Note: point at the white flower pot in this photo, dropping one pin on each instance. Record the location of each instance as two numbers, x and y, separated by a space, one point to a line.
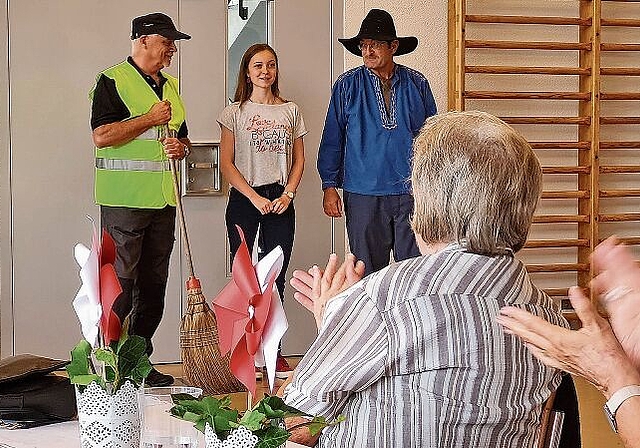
239 438
109 421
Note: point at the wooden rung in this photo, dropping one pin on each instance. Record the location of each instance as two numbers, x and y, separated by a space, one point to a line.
629 193
619 47
620 96
526 45
629 240
620 169
560 267
546 219
547 120
537 244
620 22
566 170
560 145
496 95
571 316
620 71
528 20
619 145
557 292
567 194
619 217
619 120
512 70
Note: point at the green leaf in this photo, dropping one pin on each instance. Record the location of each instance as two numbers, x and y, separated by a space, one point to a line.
225 420
79 364
200 425
317 424
106 356
85 380
191 417
252 420
275 407
272 437
132 358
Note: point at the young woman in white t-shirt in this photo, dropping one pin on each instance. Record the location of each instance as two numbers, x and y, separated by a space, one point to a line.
262 158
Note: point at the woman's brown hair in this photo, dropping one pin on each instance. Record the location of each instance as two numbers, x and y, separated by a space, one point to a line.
244 87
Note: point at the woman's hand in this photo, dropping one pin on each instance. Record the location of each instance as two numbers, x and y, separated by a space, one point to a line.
316 287
591 352
263 204
618 286
281 204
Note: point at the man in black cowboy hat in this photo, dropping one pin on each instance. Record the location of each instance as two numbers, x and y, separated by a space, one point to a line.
374 113
132 103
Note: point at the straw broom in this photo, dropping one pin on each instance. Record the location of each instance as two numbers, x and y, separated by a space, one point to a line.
202 364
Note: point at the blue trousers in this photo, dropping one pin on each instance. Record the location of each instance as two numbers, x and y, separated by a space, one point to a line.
378 224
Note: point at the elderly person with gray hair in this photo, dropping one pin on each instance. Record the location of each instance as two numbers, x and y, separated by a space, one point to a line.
411 355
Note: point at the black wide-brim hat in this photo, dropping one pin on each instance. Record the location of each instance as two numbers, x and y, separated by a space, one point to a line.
378 25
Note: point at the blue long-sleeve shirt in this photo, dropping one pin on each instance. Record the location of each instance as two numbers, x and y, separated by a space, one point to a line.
363 149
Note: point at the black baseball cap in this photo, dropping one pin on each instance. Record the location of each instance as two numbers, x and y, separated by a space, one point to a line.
156 23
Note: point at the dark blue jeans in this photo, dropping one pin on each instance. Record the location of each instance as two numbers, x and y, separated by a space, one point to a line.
275 230
378 224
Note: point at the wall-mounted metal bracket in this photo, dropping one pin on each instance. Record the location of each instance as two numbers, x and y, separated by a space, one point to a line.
201 170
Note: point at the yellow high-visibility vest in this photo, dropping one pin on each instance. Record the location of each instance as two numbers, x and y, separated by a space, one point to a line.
137 174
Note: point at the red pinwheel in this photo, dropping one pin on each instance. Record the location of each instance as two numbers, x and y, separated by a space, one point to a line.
110 289
241 310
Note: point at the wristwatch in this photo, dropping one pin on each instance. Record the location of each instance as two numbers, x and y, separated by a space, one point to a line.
619 397
289 194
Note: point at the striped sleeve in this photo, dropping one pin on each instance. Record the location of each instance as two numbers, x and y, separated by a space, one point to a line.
348 356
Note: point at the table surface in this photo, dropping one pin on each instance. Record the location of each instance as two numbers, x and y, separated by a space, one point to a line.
59 435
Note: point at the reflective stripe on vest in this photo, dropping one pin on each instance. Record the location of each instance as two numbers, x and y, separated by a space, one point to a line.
151 134
131 165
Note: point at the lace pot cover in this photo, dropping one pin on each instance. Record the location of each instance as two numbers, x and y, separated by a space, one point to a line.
239 438
109 421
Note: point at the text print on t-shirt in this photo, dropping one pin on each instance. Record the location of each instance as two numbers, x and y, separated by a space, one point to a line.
269 135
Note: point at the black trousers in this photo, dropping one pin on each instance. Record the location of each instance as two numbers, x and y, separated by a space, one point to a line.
144 240
275 230
378 224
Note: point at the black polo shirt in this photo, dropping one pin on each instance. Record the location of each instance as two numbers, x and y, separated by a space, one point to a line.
108 107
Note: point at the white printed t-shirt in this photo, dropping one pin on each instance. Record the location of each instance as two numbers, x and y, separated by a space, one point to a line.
264 136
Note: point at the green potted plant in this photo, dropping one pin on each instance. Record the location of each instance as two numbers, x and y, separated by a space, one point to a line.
107 395
262 426
108 366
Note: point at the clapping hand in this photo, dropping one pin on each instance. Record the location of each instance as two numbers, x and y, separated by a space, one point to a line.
617 284
591 352
315 287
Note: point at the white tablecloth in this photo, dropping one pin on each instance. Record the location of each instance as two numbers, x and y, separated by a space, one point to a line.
60 435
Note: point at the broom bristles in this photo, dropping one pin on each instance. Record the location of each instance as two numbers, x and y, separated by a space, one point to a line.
202 364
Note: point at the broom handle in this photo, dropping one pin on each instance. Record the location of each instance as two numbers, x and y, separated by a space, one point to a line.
181 220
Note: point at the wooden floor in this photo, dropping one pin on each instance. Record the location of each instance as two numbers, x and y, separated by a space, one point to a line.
596 432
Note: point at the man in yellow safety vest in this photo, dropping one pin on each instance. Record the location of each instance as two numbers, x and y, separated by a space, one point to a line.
132 103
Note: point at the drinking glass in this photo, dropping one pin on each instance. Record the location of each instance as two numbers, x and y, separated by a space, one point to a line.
159 428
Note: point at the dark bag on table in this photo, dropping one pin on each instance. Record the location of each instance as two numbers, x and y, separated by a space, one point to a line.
30 395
